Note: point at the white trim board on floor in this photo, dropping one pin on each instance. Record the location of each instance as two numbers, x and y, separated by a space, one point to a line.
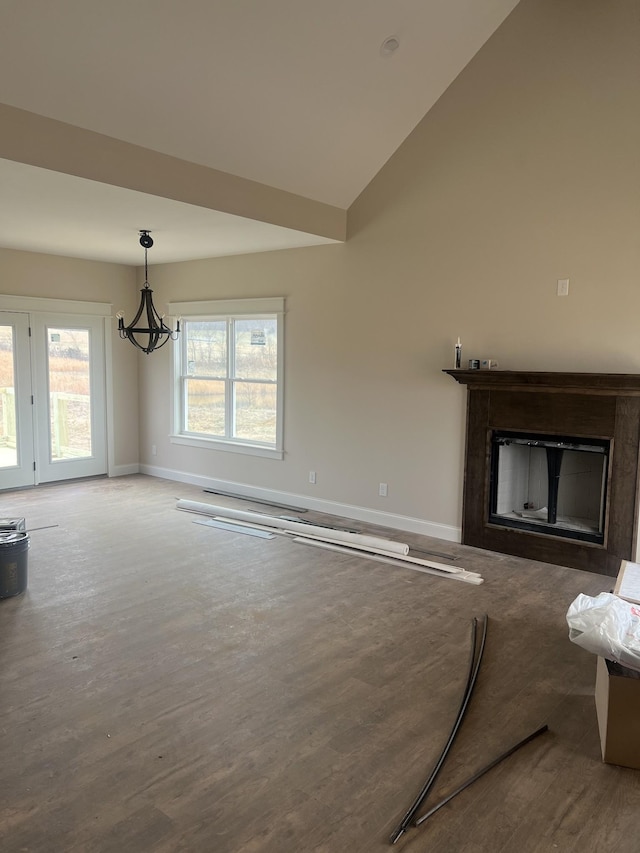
358 544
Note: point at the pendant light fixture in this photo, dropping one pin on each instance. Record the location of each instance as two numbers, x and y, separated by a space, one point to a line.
155 334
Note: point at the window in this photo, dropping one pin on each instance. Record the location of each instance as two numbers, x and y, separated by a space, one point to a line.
228 375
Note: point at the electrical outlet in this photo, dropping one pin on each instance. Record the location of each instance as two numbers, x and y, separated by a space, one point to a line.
312 477
563 287
153 450
382 490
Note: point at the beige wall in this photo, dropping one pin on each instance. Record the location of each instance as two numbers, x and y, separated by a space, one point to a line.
49 276
526 171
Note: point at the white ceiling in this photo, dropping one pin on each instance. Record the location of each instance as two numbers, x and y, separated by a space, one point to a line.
293 94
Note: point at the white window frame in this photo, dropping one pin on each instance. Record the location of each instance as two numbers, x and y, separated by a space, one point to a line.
219 309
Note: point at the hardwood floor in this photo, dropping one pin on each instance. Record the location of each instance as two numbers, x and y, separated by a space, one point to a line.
171 687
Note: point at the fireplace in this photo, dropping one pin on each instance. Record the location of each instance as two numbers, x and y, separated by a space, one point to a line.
549 484
551 466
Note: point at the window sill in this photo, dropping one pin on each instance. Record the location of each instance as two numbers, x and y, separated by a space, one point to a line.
227 446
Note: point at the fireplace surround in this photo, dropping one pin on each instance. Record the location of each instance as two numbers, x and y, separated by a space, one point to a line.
569 413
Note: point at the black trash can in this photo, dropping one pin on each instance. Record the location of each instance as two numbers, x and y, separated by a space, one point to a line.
14 545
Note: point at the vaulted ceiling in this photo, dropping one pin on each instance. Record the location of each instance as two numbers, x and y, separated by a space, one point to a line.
224 126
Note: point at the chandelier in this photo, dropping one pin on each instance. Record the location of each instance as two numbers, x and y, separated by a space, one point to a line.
155 334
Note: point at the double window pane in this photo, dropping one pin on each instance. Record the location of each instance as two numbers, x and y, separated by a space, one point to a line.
230 387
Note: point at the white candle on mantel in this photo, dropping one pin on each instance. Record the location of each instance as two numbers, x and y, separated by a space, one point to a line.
458 356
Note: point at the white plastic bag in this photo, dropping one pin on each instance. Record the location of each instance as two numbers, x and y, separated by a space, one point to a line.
607 626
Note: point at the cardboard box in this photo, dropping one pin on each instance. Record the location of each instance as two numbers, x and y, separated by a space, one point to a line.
618 711
628 582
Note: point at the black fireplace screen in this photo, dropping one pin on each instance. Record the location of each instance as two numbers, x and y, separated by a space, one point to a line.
549 484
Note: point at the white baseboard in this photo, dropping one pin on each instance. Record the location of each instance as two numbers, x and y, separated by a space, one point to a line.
358 513
124 470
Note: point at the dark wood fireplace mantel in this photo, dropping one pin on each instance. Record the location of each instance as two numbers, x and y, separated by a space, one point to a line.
594 405
627 384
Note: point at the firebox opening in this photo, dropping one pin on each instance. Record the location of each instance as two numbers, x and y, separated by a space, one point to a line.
550 484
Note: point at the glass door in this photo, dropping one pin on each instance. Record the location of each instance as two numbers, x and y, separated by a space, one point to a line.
70 397
17 460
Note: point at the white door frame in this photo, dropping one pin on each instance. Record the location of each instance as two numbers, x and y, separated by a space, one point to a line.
66 307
